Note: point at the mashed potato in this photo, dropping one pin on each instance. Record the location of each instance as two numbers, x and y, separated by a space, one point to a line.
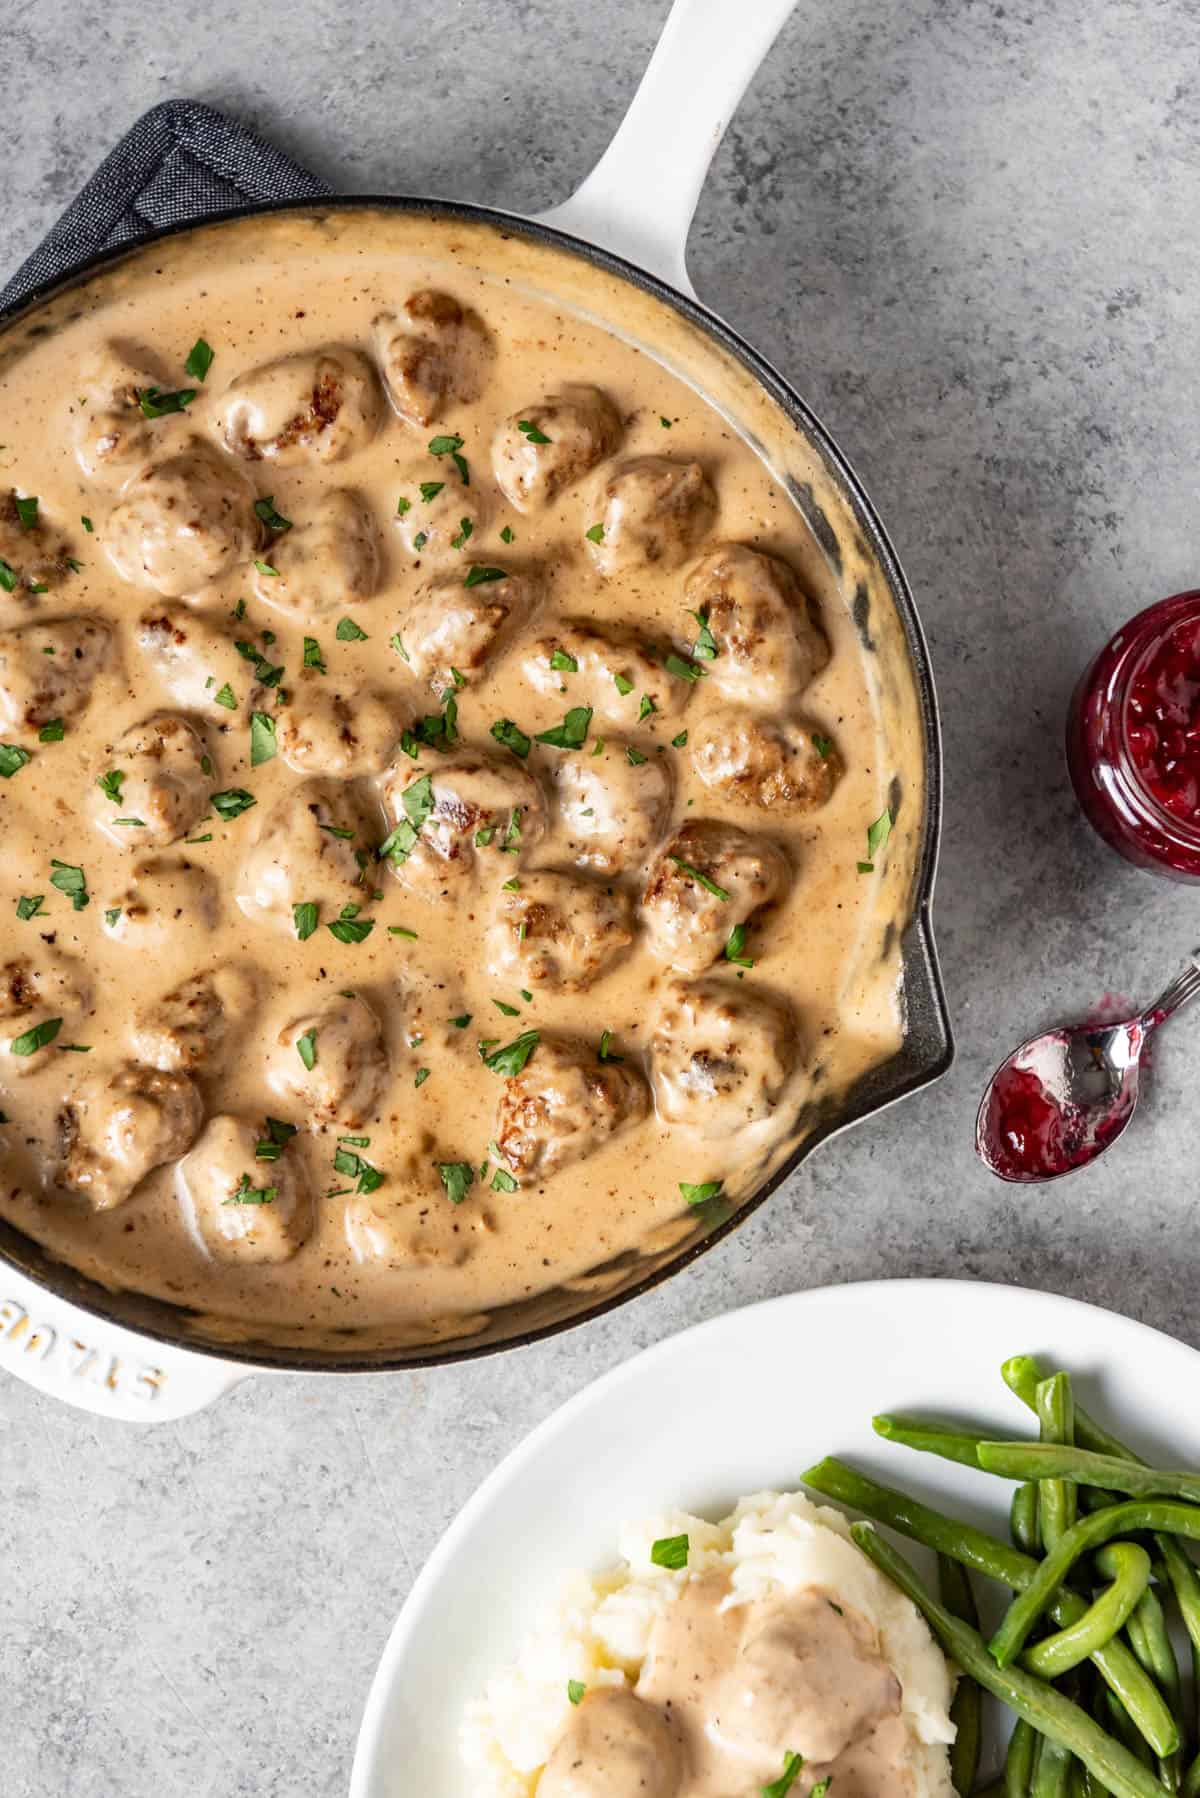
600 1632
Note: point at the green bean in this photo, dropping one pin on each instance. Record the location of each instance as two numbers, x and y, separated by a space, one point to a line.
1159 1657
1019 1759
929 1438
1047 1460
1102 1526
1022 1375
1123 1725
1023 1518
1057 1506
1052 1775
966 1712
1190 1784
1060 1721
1128 1568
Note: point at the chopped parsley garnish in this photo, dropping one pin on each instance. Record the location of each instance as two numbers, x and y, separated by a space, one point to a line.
670 1552
605 1050
30 1041
575 1690
450 446
30 906
822 745
595 533
736 946
511 886
506 535
349 632
262 738
409 936
562 663
623 684
421 1076
877 835
138 823
12 759
710 886
457 1177
337 830
199 361
431 489
400 842
465 530
402 506
266 568
111 917
461 1022
477 574
572 732
704 649
351 929
110 784
245 1193
420 540
271 1146
345 1161
207 838
74 565
457 676
702 1193
313 657
52 732
502 1181
510 1011
72 881
511 736
646 707
513 1056
409 744
664 421
306 1049
227 697
512 835
530 431
397 643
633 756
778 1788
27 511
304 917
274 521
8 578
87 524
679 742
676 665
156 404
484 835
232 802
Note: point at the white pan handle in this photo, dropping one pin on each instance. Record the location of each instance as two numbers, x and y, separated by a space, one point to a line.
639 199
97 1366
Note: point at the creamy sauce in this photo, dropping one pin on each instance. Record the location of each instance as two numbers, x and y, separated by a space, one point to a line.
404 1261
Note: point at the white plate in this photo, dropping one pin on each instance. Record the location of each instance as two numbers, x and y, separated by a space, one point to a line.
744 1402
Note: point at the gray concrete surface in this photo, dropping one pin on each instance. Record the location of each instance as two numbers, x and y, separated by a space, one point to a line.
967 230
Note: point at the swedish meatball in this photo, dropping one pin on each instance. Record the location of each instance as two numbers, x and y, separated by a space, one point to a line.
154 775
652 512
349 1061
315 406
720 1055
407 1224
552 442
557 931
614 669
167 897
307 852
198 663
117 1127
183 523
613 810
324 729
708 878
469 805
449 625
769 644
43 998
329 559
431 351
240 1208
442 519
775 765
187 1030
615 1745
563 1105
34 554
112 434
47 671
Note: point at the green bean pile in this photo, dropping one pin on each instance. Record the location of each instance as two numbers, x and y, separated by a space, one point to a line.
1083 1655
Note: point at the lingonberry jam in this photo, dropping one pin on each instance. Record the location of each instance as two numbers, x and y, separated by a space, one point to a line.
1133 739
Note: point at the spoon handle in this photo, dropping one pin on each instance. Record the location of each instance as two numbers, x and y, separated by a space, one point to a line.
1185 986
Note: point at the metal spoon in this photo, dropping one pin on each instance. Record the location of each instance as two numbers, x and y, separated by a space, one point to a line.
1064 1097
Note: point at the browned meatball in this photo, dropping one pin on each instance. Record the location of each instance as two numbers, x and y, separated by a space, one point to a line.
565 1104
432 351
613 809
769 644
708 878
43 998
155 788
406 1223
312 848
198 663
349 1061
326 729
117 1127
552 442
47 670
781 767
316 406
168 898
615 669
451 626
327 561
189 1028
183 523
34 554
469 809
441 520
112 434
557 931
652 513
615 1745
239 1208
721 1055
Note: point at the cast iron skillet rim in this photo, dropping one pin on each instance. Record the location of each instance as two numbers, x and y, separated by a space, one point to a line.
918 933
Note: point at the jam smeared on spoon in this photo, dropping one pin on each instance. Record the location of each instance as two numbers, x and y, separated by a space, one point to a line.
1064 1097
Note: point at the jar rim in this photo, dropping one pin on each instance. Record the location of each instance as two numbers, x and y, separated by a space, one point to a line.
1153 811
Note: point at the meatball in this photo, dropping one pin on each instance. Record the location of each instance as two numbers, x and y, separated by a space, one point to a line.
449 625
183 523
199 664
328 560
43 998
652 513
468 807
240 1208
557 931
721 1055
441 520
615 1745
112 434
167 898
769 644
325 729
431 351
117 1127
552 442
709 878
47 670
564 1104
343 1039
313 407
781 767
188 1029
308 852
407 1224
151 787
33 551
613 809
614 671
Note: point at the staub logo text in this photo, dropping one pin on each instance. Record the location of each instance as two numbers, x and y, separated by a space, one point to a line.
24 1338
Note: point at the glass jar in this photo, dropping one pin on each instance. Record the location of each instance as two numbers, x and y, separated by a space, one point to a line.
1133 739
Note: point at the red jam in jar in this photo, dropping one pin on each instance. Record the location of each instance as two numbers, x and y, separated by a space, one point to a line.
1133 739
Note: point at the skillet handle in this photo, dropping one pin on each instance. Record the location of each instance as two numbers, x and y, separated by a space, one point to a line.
639 199
81 1359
